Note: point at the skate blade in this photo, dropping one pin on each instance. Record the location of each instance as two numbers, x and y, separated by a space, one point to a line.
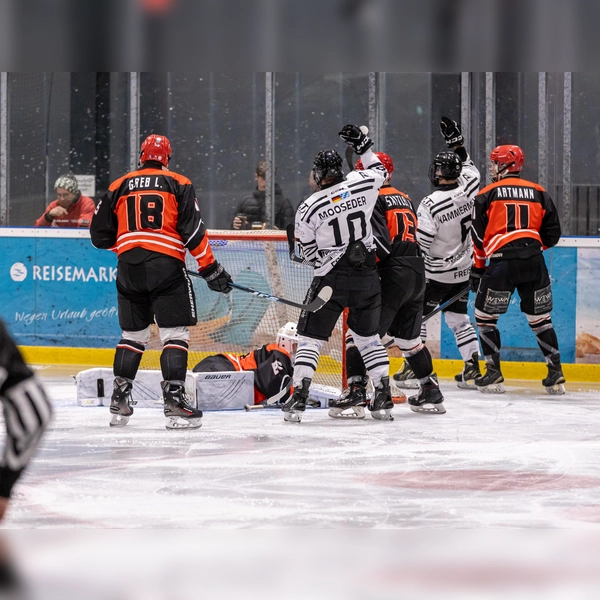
355 412
493 388
466 385
556 390
383 415
118 420
407 384
183 423
429 409
294 416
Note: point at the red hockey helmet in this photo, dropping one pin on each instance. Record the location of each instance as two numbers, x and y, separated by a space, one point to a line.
508 158
385 159
156 147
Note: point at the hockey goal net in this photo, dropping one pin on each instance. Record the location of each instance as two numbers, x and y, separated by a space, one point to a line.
239 322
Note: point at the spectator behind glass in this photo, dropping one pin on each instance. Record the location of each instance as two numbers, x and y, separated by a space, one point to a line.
70 209
252 208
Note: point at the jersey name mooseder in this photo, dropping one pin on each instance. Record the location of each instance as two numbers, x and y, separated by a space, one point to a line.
331 219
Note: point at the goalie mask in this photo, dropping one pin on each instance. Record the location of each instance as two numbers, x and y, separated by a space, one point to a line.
287 339
446 165
327 165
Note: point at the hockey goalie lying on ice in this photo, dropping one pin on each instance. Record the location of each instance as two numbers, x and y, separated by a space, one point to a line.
261 378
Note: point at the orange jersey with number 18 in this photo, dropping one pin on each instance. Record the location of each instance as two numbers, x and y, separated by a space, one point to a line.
154 209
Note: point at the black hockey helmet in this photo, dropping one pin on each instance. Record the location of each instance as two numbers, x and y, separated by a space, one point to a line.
446 165
327 165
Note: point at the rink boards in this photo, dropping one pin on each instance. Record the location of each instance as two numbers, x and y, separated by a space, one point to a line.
60 301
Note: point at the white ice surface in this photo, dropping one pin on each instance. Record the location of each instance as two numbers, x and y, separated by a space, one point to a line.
522 459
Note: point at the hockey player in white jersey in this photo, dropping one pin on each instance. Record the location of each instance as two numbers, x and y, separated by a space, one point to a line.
444 236
333 232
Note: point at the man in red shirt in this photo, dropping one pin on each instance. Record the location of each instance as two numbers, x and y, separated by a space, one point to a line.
70 209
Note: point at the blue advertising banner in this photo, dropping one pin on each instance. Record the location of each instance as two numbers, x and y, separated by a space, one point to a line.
58 290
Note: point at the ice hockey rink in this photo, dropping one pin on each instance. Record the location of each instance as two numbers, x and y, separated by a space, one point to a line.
499 497
521 459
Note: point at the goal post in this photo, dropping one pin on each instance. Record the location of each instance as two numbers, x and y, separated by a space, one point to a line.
239 322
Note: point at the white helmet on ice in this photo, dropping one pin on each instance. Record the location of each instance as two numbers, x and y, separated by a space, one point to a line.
287 338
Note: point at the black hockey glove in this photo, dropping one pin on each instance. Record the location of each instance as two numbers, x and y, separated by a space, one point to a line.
451 131
217 278
475 278
355 138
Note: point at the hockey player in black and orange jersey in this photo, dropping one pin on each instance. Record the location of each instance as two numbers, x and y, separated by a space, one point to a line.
272 365
402 274
513 221
150 217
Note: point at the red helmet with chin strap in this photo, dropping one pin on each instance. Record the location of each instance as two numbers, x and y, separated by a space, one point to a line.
509 158
156 147
385 159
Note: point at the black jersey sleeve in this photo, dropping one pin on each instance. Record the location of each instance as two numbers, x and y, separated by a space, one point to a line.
104 225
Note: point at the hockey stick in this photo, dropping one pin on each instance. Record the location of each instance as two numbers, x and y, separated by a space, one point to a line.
310 402
292 246
436 311
322 297
446 304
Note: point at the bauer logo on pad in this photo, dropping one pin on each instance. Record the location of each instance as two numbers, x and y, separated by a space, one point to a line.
224 390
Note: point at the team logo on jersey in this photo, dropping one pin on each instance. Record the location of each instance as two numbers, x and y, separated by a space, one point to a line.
277 367
342 196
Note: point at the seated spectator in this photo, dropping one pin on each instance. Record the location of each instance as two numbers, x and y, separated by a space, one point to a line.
251 211
70 209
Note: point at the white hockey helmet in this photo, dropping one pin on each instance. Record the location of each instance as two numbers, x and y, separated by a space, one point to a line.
287 338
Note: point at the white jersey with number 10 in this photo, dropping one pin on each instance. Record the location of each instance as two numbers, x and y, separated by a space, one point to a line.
331 219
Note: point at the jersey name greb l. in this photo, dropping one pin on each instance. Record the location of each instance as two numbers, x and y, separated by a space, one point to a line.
157 210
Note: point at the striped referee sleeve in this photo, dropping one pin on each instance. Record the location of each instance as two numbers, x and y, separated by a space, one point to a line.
27 412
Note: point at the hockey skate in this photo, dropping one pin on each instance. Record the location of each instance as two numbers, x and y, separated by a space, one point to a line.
554 382
466 379
382 404
296 405
178 410
492 382
429 400
351 404
405 377
120 402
